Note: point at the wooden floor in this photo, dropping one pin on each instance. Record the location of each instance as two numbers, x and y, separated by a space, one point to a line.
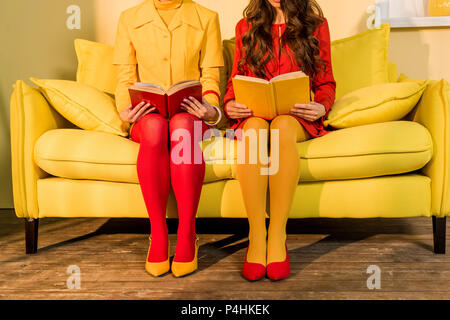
329 259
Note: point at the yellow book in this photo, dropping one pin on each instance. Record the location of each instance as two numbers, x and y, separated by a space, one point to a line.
268 99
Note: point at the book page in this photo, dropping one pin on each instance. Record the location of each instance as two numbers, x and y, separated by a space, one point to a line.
175 99
183 85
257 96
290 92
148 87
290 75
251 79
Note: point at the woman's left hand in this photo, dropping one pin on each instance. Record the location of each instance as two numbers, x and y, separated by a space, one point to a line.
311 112
202 110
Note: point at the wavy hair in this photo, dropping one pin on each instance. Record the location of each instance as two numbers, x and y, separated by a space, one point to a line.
302 19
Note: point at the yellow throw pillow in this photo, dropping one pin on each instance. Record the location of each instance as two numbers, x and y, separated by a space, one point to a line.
393 71
361 61
374 104
83 105
95 66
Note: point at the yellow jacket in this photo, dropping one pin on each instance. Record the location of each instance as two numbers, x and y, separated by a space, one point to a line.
190 48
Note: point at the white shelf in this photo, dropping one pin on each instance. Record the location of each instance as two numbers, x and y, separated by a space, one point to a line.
415 22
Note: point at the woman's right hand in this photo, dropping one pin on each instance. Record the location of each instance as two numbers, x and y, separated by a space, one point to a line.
237 111
132 115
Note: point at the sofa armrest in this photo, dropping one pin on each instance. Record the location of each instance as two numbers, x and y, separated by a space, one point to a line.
433 112
30 116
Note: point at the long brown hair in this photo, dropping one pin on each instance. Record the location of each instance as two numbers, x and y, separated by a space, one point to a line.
302 19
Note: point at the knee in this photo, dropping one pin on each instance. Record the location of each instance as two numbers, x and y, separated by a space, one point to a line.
183 121
253 131
154 131
254 128
287 127
186 126
284 122
256 123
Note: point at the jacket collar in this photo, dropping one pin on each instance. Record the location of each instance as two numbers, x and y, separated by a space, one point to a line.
187 14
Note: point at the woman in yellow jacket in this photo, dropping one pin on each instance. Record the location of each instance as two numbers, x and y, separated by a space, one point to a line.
165 42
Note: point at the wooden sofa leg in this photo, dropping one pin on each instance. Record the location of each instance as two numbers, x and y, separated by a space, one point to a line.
439 230
31 235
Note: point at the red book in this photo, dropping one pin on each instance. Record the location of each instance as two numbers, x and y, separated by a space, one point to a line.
167 102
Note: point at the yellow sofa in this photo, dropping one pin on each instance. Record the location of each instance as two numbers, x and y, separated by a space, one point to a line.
392 170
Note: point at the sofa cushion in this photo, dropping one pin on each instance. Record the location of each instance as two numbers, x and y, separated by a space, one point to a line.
80 154
401 196
359 152
366 151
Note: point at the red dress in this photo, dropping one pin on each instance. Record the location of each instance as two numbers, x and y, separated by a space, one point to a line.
323 85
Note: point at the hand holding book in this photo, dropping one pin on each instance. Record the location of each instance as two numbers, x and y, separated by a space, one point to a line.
134 114
310 112
202 110
268 99
237 111
167 102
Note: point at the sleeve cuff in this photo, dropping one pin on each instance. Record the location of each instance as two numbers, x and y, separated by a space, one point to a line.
212 97
212 124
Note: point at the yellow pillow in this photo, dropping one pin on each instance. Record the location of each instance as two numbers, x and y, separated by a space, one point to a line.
95 66
361 61
392 71
83 105
374 104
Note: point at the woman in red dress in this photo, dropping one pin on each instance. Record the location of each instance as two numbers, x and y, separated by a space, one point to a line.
277 37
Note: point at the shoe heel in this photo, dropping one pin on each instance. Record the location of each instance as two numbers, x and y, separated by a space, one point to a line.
253 271
279 270
157 269
181 269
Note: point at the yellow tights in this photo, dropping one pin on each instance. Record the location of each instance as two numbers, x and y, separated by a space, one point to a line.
282 185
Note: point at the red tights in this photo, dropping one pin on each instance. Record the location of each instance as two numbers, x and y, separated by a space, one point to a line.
157 170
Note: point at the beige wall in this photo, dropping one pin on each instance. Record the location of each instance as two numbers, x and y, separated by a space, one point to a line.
38 44
35 42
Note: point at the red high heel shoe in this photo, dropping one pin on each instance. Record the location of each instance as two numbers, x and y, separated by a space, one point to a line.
253 271
279 270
